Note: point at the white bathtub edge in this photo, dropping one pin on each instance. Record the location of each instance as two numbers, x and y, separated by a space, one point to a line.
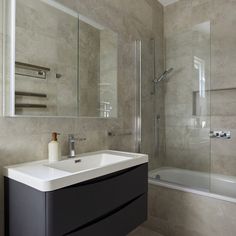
189 190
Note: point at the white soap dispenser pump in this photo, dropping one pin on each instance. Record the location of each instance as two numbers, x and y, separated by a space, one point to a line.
54 152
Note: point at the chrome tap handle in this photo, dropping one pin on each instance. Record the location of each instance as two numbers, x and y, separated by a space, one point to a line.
71 143
72 138
220 134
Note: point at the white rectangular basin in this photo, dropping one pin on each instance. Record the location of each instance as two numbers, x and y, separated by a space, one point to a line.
45 176
88 162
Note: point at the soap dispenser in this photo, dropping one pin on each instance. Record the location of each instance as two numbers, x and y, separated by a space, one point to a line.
54 151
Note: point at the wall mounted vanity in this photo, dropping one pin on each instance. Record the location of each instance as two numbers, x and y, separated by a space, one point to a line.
101 193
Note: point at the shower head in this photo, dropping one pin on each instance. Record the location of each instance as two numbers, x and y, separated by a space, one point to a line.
163 76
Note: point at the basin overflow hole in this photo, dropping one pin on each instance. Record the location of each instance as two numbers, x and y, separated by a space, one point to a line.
78 161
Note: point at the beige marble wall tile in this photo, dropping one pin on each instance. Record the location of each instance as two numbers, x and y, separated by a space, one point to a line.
1 68
143 16
1 16
223 122
189 214
223 73
196 3
177 17
142 231
224 147
223 41
158 225
201 11
223 164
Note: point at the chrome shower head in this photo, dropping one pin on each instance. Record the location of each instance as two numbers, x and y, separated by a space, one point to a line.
163 76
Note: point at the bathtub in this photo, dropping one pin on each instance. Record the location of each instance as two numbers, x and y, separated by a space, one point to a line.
211 185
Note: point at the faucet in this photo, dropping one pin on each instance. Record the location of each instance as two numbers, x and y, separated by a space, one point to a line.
71 142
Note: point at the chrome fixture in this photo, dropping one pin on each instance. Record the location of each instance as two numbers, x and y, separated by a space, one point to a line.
71 142
29 70
220 134
163 76
157 135
112 134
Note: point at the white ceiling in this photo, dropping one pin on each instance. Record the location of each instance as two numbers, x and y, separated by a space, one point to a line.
167 2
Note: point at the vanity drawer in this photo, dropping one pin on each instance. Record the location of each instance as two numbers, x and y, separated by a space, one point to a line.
119 223
74 206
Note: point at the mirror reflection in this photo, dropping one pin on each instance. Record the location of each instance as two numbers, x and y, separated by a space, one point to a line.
65 64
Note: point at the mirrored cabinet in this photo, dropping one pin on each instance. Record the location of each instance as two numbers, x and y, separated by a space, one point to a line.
57 62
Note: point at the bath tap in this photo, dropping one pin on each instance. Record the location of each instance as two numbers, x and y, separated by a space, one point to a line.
220 134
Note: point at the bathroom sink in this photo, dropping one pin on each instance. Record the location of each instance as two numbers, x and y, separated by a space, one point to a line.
45 176
89 162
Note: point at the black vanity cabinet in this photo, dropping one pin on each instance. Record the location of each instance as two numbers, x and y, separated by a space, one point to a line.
111 205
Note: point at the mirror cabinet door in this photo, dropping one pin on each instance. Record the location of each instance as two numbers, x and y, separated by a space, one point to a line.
65 65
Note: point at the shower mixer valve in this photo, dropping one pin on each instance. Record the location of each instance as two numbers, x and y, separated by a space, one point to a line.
220 134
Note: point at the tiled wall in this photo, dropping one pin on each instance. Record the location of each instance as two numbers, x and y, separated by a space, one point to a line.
26 139
177 213
223 53
187 141
172 212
